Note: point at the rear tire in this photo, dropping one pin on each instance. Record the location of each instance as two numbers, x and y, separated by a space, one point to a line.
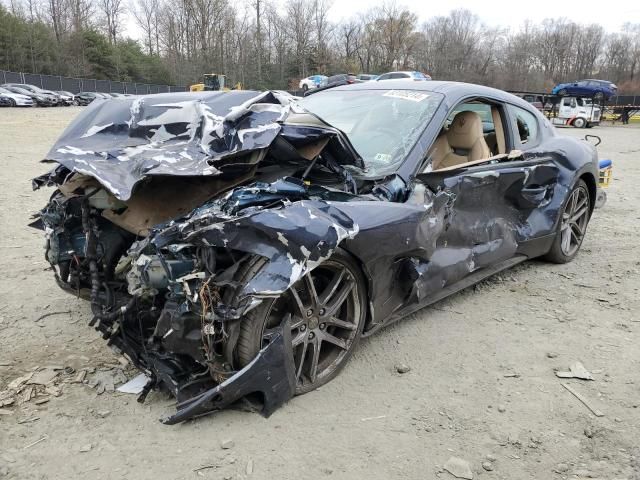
12 102
328 312
572 225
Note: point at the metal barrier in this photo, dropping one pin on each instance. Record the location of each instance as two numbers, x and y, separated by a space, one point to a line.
77 85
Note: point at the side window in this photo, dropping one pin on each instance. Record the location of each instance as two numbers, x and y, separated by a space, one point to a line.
482 109
384 77
526 124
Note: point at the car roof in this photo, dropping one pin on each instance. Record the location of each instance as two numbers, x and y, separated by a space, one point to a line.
454 89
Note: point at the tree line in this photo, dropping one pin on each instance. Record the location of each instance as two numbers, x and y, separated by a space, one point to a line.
264 44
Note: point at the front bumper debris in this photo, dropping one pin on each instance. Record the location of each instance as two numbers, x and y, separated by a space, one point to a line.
271 374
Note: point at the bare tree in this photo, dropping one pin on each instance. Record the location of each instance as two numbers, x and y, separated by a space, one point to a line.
146 14
112 11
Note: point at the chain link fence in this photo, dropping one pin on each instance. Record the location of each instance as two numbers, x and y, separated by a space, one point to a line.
77 85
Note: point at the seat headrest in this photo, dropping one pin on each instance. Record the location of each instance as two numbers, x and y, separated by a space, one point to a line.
465 130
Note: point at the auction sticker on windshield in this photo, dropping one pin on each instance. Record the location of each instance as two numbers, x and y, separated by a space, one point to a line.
407 95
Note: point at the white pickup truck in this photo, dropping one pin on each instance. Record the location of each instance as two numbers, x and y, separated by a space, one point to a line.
577 112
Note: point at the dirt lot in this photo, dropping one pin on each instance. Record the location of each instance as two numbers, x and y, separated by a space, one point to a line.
481 387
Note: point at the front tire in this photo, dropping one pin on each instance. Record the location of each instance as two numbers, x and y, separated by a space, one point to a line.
12 102
580 122
328 312
572 226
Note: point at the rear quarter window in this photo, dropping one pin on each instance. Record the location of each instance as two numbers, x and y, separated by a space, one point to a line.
526 125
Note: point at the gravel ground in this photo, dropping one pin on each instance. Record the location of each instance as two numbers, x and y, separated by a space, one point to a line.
481 386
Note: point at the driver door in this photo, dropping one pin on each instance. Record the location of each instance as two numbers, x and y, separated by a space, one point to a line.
490 213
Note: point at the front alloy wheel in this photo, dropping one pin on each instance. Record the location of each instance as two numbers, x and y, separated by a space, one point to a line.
327 308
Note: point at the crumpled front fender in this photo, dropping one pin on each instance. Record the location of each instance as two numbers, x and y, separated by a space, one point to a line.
295 238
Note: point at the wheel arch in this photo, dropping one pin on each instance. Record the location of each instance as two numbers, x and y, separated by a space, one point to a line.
590 180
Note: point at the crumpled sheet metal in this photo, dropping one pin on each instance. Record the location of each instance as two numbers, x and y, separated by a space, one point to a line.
119 142
295 238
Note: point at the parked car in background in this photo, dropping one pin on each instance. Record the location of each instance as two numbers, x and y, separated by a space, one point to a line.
85 98
342 79
599 89
58 98
68 98
418 76
314 81
16 99
367 77
535 100
52 98
335 81
40 99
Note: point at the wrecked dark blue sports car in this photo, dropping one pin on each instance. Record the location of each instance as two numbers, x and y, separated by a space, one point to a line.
237 245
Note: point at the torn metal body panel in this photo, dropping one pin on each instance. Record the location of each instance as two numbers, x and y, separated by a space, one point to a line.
239 244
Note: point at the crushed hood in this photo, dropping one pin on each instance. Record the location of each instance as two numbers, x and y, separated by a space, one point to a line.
119 142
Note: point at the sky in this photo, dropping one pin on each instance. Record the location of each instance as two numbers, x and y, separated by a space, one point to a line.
504 13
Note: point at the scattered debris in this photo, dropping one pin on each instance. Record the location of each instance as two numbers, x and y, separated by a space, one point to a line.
85 448
366 419
552 354
459 468
204 467
576 370
50 314
41 400
403 368
135 385
106 380
562 468
6 411
80 376
36 442
502 408
594 410
511 375
249 469
227 444
43 376
28 420
491 457
488 466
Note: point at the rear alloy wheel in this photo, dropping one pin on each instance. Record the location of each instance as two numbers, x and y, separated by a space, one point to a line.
573 225
327 308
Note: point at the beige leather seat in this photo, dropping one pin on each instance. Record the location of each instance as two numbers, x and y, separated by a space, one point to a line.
466 140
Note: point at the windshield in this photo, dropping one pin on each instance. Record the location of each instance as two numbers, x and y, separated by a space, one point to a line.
382 125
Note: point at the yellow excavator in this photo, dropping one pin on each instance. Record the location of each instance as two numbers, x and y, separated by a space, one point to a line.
214 82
